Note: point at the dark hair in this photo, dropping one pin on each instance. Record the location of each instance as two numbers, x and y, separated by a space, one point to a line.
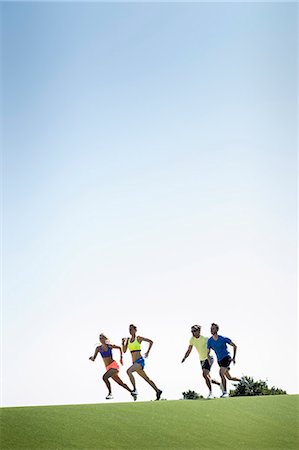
215 324
134 326
195 328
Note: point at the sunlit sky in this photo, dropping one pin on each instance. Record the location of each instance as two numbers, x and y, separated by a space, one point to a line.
149 177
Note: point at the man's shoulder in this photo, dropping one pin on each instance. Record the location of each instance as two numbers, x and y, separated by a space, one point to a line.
224 338
191 340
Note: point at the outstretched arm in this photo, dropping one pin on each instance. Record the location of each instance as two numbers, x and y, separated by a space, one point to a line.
140 339
92 358
235 351
121 353
187 353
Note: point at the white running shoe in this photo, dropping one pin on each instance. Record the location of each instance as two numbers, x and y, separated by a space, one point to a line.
210 396
224 395
109 397
134 392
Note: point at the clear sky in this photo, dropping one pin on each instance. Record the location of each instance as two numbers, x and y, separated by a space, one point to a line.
150 175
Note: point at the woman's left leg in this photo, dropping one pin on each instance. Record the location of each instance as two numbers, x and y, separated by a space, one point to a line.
150 382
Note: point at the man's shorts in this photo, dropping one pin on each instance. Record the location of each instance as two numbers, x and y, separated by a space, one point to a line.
225 362
140 361
206 365
113 365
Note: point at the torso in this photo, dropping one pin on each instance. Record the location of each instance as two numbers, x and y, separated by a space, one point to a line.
219 345
106 354
135 348
200 344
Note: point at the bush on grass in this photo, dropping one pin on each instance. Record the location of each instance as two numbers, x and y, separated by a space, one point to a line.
248 387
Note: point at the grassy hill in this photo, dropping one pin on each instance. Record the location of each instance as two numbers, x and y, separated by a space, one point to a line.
251 423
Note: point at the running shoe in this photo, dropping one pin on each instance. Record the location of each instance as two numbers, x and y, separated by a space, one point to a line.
134 396
158 395
109 397
224 395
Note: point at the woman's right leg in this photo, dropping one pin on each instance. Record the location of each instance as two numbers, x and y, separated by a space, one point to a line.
130 371
106 377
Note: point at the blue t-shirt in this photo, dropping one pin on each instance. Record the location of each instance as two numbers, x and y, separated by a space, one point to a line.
219 346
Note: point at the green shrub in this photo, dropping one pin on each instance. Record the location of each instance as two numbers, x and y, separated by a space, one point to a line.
248 387
191 395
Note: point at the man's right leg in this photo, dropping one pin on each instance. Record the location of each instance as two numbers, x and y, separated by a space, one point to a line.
206 375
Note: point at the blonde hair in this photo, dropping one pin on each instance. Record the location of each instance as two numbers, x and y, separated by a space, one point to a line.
105 337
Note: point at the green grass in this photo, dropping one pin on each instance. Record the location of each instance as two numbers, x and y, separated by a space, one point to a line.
269 422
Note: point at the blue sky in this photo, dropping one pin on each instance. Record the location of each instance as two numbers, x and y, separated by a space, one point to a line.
150 175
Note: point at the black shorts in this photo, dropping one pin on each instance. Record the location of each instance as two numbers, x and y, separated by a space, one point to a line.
225 362
205 364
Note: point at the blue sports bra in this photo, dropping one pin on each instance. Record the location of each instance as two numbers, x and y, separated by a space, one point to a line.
107 353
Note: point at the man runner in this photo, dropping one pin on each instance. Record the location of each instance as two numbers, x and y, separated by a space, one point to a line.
219 345
200 343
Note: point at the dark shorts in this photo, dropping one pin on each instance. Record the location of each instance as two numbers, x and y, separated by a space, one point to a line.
205 364
225 362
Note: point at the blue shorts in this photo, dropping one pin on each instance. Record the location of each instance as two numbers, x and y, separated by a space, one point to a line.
140 361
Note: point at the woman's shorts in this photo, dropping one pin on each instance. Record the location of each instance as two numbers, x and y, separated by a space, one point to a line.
140 361
113 365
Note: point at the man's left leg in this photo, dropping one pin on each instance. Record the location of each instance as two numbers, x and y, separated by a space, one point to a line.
222 372
229 377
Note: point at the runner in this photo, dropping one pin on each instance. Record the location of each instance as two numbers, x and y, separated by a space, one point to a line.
219 345
112 368
134 345
200 343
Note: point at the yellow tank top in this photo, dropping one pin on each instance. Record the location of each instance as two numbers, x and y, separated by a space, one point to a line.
133 346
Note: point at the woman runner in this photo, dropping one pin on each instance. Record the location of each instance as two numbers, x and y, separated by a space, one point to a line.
133 344
112 368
